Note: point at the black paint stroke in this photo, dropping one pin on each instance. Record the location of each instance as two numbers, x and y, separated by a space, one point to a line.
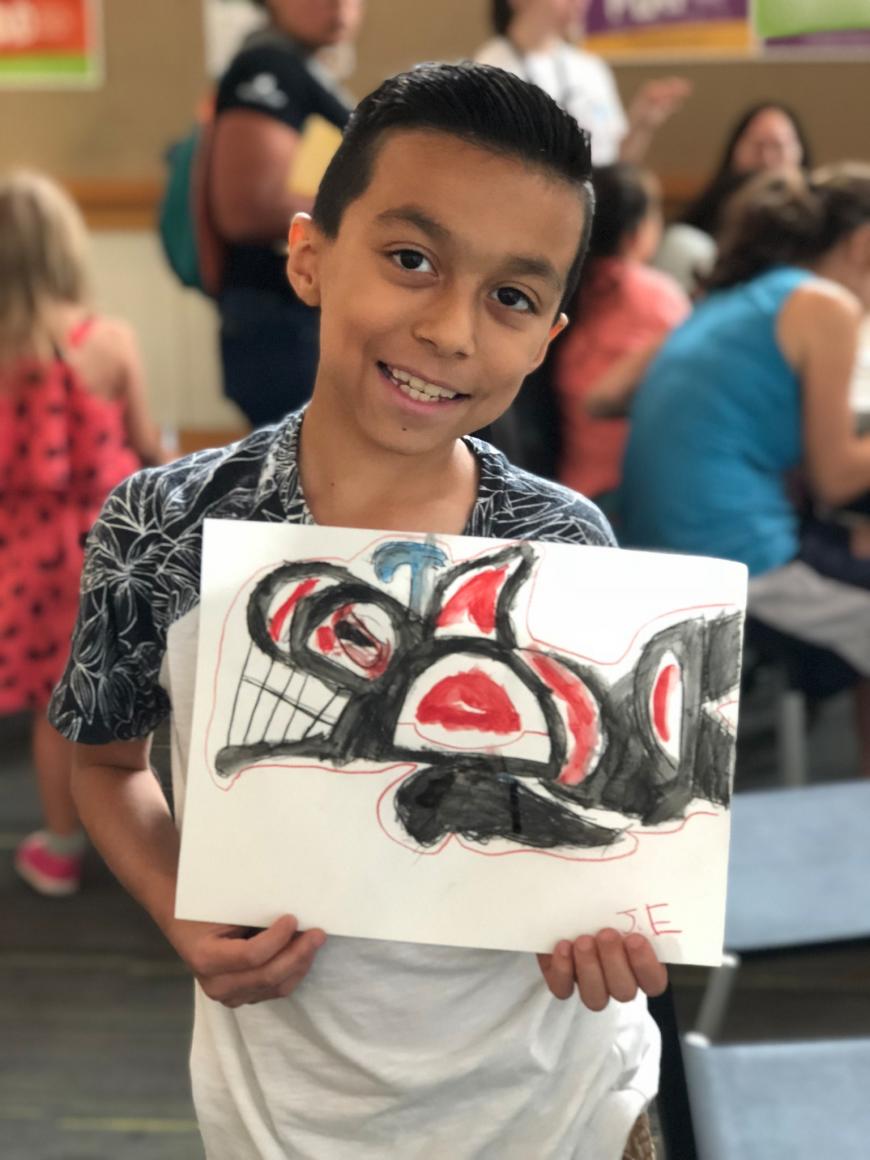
484 796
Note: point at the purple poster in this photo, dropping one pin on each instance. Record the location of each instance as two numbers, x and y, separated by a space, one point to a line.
641 28
644 29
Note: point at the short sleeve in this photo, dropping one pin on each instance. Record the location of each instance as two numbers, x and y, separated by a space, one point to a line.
269 80
110 690
655 305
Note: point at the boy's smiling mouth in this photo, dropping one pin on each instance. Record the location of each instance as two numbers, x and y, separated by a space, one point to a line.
418 389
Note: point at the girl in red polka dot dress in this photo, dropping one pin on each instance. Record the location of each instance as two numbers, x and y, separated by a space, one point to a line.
73 424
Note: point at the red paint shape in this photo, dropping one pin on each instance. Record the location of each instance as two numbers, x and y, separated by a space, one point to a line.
469 700
277 622
666 682
369 654
476 599
325 638
582 716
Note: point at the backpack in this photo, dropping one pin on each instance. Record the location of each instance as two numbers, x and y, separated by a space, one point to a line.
193 247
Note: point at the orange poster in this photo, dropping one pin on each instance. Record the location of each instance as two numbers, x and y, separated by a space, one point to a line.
50 43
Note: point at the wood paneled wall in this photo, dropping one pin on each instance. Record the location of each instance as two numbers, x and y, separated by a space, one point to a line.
155 76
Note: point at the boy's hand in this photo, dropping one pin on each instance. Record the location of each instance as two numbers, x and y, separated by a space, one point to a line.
235 967
604 967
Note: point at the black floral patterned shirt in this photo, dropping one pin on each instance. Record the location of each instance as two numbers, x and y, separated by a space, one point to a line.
142 568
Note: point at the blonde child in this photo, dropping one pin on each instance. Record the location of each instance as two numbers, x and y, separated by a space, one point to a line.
73 424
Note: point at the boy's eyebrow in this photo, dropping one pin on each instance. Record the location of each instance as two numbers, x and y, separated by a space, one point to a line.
414 216
535 268
515 263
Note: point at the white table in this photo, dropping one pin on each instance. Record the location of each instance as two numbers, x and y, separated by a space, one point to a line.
860 389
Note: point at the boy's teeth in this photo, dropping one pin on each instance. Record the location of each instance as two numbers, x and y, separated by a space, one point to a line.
419 389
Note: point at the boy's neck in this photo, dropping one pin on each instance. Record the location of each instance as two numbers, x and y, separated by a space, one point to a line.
350 482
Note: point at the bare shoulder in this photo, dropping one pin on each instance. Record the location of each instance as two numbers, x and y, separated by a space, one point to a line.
107 356
819 311
112 334
823 298
112 343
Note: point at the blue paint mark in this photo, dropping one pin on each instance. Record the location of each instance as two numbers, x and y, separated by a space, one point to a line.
419 557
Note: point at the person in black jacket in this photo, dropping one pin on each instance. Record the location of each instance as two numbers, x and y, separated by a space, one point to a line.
269 339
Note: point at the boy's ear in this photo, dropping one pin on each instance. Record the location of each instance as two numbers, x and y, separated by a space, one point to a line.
556 329
304 251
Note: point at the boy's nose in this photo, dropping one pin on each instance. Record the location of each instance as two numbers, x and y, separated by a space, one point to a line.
448 324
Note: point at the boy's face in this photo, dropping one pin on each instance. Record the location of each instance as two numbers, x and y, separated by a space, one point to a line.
439 294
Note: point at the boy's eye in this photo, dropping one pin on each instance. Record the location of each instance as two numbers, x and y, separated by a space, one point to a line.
412 260
515 300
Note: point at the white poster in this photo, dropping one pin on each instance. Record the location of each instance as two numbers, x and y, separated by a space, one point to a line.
462 741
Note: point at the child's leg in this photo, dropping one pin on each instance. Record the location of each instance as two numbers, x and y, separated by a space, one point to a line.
862 714
52 757
51 859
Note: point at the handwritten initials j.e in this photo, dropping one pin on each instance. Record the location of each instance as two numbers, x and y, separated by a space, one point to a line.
655 924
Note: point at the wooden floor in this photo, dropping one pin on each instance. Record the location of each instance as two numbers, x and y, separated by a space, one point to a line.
95 1010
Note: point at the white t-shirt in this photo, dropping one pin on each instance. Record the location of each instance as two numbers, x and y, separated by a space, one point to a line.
396 1051
386 1051
580 82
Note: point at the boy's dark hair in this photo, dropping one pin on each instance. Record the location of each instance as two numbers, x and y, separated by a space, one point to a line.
477 103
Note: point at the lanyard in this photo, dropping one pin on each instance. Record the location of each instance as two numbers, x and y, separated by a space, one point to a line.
564 88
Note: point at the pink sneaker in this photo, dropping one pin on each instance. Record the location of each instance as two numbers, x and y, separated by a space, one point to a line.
47 872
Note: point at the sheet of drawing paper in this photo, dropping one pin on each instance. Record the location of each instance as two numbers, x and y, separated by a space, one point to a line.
461 741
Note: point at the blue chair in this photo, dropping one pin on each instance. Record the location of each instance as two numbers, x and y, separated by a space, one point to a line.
799 875
779 1101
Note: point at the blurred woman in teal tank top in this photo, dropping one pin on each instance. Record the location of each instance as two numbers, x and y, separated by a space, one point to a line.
721 392
751 396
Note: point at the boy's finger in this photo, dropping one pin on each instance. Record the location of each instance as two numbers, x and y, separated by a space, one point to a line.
558 970
292 963
240 954
262 947
276 978
651 975
618 975
590 976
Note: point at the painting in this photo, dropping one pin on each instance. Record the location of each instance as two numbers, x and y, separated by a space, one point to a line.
505 741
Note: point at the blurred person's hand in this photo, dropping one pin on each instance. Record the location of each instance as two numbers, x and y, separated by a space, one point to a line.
657 101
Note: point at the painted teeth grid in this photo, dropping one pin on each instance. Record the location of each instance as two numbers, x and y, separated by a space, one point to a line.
267 706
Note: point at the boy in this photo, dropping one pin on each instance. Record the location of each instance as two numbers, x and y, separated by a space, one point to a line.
446 235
